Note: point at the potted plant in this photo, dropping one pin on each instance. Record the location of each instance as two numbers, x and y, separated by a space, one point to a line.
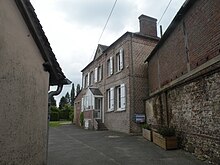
165 138
146 131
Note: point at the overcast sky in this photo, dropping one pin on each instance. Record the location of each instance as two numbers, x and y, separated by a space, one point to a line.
73 27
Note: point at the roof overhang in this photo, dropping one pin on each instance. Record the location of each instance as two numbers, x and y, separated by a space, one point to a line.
51 65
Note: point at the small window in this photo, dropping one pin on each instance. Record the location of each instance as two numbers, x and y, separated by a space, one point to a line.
120 60
99 73
85 80
110 66
91 78
96 75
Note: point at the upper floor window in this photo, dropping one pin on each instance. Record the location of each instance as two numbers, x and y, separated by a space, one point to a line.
110 66
91 78
120 60
85 81
98 74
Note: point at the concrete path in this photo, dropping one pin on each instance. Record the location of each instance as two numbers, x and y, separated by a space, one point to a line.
70 145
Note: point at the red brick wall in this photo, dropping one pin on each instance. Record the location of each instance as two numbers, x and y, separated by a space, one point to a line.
202 27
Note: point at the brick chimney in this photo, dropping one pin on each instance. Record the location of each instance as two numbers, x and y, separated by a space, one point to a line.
148 25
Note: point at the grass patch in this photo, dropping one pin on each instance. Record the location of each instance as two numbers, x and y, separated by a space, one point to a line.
58 123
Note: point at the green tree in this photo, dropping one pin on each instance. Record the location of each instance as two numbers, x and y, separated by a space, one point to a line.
63 101
78 89
54 113
72 94
53 101
67 96
66 112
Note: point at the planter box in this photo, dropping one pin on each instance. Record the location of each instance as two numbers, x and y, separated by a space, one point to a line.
147 134
166 143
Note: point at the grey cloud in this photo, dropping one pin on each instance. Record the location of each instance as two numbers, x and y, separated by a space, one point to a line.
94 13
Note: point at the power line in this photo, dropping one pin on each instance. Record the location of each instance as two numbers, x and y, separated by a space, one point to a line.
107 20
105 25
165 11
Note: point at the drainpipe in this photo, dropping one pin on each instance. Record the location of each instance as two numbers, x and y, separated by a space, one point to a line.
50 95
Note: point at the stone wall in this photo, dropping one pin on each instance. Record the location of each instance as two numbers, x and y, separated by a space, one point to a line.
194 110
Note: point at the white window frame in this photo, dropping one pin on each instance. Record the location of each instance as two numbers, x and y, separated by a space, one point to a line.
96 75
121 57
88 80
120 60
85 80
99 73
91 78
110 99
121 97
110 66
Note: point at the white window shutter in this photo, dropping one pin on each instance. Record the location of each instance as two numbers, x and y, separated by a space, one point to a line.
88 79
121 56
96 75
111 65
83 82
112 98
101 72
122 96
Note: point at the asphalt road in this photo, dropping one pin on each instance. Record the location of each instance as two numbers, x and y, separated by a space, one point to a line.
70 145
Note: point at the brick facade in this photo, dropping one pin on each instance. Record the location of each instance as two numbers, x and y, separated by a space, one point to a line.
183 72
194 40
133 75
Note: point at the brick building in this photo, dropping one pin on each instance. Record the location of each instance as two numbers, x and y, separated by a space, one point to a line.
113 83
184 78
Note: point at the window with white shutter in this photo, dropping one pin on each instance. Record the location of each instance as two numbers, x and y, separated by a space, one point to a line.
121 56
99 73
96 75
111 65
88 78
117 62
112 99
120 94
120 60
86 81
123 96
91 78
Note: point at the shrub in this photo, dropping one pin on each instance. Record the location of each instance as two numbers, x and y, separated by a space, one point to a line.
167 131
66 112
81 118
54 116
146 126
54 109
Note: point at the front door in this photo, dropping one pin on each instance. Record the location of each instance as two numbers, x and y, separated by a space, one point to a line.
98 108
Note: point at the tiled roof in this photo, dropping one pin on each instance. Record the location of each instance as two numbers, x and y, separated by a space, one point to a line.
51 65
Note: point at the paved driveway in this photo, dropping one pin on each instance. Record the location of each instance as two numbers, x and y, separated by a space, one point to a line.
70 145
